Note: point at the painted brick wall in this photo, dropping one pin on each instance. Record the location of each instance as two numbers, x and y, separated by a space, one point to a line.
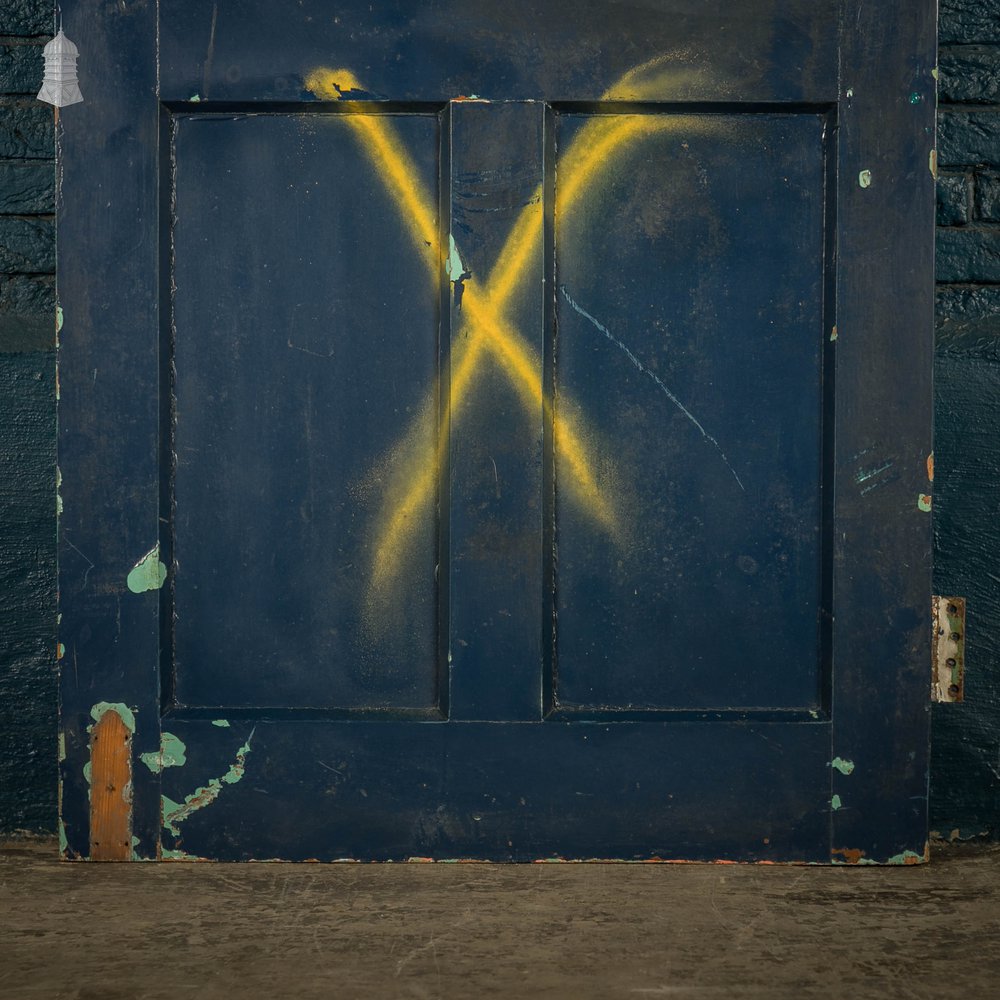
965 779
27 425
965 763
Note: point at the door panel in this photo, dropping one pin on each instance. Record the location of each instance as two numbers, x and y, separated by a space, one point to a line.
292 390
691 334
537 474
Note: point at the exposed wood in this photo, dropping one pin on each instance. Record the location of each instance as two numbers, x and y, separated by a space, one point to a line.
110 789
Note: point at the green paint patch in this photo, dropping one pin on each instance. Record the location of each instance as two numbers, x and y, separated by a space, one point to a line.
844 766
62 747
59 319
453 266
221 723
103 707
906 858
148 573
86 772
835 803
171 754
174 813
865 178
63 842
169 855
924 502
194 98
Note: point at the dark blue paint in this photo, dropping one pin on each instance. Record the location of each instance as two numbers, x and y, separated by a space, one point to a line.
380 758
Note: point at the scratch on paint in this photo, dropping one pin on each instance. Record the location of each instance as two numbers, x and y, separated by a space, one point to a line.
148 573
174 813
866 474
645 371
844 766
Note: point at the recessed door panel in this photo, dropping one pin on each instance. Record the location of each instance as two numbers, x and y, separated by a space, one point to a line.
690 265
306 343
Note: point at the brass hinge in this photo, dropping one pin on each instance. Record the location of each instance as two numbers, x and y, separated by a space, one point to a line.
948 649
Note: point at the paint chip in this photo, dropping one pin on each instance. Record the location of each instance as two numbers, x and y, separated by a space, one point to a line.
930 466
148 573
835 803
171 754
103 707
924 501
932 163
59 319
221 723
844 766
833 332
865 178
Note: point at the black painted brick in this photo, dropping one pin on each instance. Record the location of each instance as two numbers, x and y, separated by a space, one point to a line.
952 200
988 197
20 69
968 138
968 255
27 313
27 246
967 316
27 188
27 583
964 790
26 131
27 17
966 21
970 73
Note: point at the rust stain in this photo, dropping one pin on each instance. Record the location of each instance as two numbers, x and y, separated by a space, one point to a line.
110 789
852 855
930 466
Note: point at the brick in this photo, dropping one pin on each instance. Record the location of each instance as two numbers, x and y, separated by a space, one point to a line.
965 21
27 314
27 246
970 73
27 188
952 200
27 17
968 255
988 197
967 319
20 69
26 132
968 138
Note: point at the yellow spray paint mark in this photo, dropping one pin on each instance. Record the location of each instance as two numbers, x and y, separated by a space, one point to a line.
590 153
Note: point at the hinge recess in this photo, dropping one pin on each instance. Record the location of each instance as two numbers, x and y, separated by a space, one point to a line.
948 649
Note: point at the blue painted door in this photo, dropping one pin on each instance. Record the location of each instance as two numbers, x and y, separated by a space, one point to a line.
498 431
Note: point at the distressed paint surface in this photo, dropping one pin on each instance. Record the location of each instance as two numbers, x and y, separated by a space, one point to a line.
499 425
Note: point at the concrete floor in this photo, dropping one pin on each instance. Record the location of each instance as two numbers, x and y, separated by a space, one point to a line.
179 931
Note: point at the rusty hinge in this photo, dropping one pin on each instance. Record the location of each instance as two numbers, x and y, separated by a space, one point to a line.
948 649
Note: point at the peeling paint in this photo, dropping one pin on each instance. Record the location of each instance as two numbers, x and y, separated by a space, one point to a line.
62 747
930 466
865 178
171 754
103 707
932 163
60 650
174 813
910 857
833 332
59 319
844 766
835 803
168 855
934 72
850 92
59 500
86 772
453 266
194 98
221 723
924 501
148 573
63 842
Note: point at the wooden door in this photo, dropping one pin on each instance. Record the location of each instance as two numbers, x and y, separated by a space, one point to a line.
498 431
